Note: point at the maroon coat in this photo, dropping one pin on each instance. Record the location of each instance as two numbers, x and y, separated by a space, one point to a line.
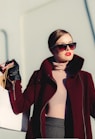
41 87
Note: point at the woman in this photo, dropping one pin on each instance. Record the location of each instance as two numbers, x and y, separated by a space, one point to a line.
63 95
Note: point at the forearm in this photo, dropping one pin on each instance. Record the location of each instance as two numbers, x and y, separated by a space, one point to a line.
20 101
16 96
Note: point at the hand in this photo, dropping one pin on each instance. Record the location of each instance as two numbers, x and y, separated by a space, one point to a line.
13 70
4 67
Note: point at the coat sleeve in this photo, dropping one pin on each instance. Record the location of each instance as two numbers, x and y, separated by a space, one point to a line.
91 89
22 101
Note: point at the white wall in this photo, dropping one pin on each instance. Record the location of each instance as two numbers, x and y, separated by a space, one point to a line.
38 23
28 24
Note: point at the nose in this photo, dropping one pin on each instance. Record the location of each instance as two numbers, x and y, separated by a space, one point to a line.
67 48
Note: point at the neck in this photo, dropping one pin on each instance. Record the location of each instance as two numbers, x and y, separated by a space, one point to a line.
59 66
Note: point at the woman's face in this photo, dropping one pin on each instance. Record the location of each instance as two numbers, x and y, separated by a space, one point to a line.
64 53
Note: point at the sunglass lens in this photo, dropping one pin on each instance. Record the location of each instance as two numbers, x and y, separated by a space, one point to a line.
62 47
72 46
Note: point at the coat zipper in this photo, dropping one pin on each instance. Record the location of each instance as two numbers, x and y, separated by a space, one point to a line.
44 107
85 132
14 94
40 119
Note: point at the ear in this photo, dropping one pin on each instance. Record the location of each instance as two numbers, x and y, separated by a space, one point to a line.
52 51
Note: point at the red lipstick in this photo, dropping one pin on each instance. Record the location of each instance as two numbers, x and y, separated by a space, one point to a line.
68 54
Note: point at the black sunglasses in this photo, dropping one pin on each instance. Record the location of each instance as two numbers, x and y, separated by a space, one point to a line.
72 46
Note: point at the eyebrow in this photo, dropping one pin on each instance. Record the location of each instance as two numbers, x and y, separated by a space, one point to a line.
64 43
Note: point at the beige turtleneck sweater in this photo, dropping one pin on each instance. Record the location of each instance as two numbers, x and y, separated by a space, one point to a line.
58 101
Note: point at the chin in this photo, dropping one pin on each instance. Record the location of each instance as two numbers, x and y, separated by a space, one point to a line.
66 60
69 58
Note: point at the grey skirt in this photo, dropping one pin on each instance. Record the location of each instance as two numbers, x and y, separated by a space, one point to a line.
55 127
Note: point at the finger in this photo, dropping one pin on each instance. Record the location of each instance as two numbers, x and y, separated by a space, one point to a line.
10 65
